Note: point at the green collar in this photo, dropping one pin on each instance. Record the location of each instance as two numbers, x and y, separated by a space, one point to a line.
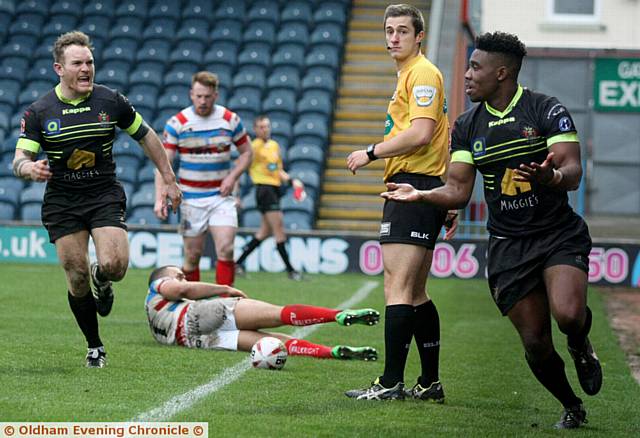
509 107
74 102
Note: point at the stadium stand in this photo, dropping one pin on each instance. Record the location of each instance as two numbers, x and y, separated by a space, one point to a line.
278 57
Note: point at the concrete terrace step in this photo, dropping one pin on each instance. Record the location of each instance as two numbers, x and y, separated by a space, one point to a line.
372 116
348 200
349 213
355 139
348 225
352 188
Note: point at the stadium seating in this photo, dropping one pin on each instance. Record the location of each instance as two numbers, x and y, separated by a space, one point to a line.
264 10
59 24
288 55
280 103
143 215
7 211
297 12
251 218
298 220
327 34
305 157
286 78
165 9
195 29
100 7
133 8
198 9
127 27
315 102
330 12
254 54
31 212
320 78
231 9
161 29
260 32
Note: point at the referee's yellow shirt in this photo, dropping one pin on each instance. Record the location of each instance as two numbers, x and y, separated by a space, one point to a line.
419 94
267 162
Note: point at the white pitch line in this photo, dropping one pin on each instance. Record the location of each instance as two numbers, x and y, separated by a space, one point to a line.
229 375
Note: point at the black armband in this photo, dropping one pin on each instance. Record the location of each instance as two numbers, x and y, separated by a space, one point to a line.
141 132
371 152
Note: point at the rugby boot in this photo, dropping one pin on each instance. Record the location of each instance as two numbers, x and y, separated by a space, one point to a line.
433 392
572 418
357 353
378 392
96 358
588 367
358 316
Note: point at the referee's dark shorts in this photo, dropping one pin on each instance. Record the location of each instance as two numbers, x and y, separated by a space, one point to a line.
515 265
65 212
413 223
267 198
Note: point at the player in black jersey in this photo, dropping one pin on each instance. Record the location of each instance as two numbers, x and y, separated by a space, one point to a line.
74 124
526 147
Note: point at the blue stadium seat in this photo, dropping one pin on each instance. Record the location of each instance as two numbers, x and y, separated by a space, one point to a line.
127 169
297 12
143 215
288 203
227 31
31 212
9 91
281 128
194 29
293 33
288 55
154 54
245 185
7 7
179 76
120 50
7 211
6 168
19 46
311 129
42 70
10 193
165 9
163 29
245 100
319 78
249 199
146 174
146 76
323 56
223 96
33 193
254 54
260 32
330 13
27 23
162 117
59 24
33 92
284 78
315 102
263 10
66 7
310 179
309 155
14 68
198 9
125 145
231 9
127 27
133 8
327 33
187 53
250 77
113 75
221 53
297 220
251 218
224 73
143 197
279 103
144 98
99 7
5 20
96 26
173 100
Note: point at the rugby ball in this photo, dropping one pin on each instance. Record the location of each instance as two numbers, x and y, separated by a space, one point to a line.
269 353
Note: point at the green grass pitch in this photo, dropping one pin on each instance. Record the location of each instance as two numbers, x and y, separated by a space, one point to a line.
489 389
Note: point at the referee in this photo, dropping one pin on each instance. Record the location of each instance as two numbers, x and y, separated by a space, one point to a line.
415 147
75 125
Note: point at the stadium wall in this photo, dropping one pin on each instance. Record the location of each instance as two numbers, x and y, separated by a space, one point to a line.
612 263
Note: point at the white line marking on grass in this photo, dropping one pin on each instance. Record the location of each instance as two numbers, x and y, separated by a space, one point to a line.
184 401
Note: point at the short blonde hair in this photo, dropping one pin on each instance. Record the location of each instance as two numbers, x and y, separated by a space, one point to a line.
74 38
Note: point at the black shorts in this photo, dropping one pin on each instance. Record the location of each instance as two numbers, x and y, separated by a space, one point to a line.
66 213
515 265
413 223
267 198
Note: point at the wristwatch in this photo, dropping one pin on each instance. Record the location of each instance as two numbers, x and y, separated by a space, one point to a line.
371 152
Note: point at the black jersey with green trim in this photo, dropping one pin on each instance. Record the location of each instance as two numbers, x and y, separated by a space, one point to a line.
78 136
496 143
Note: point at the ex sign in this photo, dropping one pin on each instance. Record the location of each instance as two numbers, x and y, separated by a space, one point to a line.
617 84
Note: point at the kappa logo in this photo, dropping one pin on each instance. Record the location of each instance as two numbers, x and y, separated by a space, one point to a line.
81 158
424 94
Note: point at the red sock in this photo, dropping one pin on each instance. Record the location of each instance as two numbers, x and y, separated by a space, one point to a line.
300 347
225 271
192 275
301 314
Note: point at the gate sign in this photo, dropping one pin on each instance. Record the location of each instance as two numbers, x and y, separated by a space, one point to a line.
617 84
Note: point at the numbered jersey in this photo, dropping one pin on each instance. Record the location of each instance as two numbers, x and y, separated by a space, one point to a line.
164 316
497 142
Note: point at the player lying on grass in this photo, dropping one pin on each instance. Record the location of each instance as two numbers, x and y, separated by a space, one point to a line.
217 317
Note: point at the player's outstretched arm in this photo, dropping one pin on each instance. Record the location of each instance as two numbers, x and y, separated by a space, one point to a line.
561 169
175 289
454 194
25 167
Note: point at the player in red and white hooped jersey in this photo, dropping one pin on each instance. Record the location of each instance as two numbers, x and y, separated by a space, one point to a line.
203 135
210 316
